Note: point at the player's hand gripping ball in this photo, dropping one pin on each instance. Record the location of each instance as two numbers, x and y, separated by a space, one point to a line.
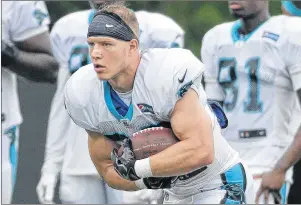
124 163
143 144
151 141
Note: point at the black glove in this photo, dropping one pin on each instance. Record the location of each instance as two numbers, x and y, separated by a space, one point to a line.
159 182
8 54
124 165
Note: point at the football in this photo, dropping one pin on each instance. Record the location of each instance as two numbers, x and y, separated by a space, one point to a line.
151 141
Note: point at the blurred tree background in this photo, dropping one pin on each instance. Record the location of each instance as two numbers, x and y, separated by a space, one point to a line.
195 17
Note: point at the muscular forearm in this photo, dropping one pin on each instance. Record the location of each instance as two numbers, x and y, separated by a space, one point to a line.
100 148
195 148
292 155
38 67
183 157
117 182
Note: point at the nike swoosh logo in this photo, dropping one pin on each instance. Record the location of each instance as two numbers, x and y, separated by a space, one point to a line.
182 79
109 26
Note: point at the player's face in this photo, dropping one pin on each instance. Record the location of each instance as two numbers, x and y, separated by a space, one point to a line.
247 8
109 56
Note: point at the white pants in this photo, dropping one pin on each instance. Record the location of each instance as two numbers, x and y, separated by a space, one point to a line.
90 189
145 196
9 155
208 197
216 195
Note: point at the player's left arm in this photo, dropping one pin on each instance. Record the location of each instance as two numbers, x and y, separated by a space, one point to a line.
31 55
192 125
187 109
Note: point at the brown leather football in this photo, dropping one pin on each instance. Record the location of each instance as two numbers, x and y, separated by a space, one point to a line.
151 141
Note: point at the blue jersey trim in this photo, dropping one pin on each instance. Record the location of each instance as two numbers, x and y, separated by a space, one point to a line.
91 15
110 104
235 183
290 7
235 34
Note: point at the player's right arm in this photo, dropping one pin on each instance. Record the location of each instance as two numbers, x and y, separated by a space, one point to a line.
31 55
208 51
77 96
100 148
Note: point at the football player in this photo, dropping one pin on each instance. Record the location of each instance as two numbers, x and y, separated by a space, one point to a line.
26 52
245 60
290 8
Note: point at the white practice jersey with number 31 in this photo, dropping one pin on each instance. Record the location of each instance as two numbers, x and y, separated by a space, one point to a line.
243 72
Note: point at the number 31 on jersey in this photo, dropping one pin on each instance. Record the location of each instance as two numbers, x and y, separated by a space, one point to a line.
227 78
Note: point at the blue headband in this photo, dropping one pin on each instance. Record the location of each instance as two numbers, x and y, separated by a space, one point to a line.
110 24
290 7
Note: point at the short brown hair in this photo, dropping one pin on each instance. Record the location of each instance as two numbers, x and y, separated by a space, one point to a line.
126 14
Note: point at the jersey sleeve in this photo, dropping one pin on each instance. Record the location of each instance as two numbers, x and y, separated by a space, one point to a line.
167 38
292 51
30 18
187 74
212 87
78 98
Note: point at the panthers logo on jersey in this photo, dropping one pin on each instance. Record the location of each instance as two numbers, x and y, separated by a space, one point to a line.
39 15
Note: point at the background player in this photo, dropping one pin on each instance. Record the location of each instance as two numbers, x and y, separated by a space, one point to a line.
240 73
66 149
25 51
290 8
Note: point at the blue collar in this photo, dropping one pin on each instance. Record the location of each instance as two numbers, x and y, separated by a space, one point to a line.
236 36
91 14
115 105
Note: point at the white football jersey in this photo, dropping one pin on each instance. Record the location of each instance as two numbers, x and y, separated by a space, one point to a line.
21 20
242 71
66 146
90 105
158 31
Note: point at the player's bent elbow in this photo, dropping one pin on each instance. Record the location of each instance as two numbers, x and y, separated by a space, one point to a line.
110 184
204 156
209 157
